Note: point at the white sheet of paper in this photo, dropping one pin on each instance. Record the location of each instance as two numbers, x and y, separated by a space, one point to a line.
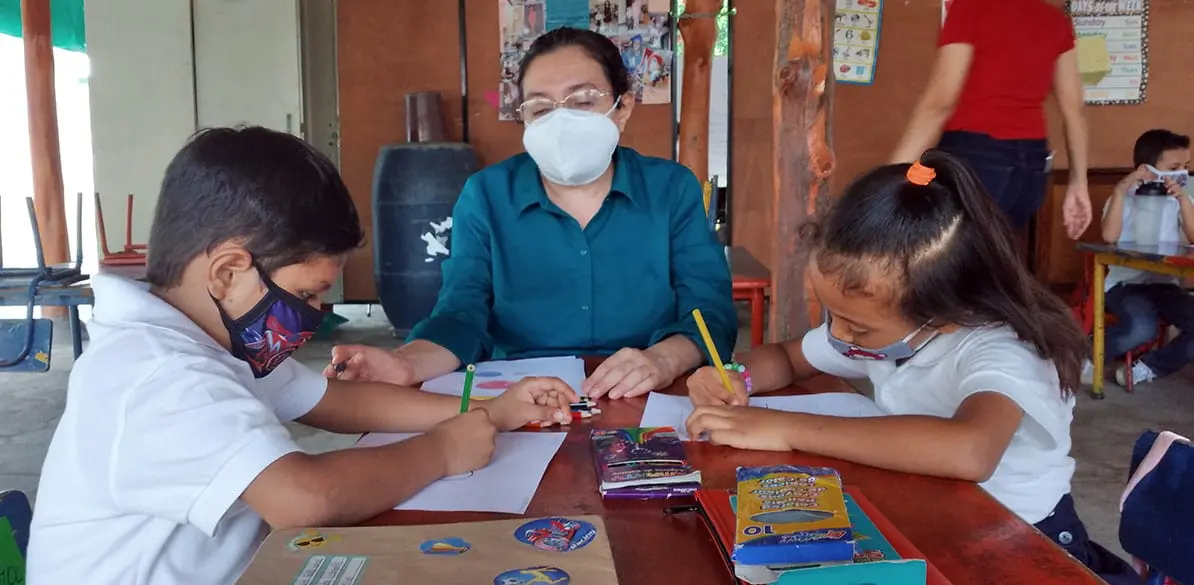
506 485
492 378
665 410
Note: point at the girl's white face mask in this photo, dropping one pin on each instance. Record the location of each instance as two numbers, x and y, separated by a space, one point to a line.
572 147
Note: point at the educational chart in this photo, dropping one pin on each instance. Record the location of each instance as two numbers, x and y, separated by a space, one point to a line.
641 28
507 484
856 40
547 551
665 410
1112 49
493 378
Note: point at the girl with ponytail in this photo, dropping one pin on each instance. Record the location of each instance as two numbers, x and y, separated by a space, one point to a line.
973 361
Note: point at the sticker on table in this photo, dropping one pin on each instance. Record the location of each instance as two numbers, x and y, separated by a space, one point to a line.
445 546
332 570
556 534
310 539
546 575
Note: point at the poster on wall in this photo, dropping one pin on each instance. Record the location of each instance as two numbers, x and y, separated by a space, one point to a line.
1112 45
640 28
856 40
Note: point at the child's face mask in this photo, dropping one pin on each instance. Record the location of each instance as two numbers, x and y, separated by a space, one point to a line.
1180 176
900 350
274 328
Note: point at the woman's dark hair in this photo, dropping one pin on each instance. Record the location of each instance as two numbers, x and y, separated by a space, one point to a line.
271 190
596 45
952 248
1152 144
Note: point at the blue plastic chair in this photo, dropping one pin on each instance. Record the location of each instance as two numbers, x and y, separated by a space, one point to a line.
1156 524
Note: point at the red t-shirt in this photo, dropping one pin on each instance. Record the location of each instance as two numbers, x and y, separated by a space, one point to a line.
1016 46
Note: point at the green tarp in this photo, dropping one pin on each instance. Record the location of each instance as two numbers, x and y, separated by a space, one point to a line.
67 29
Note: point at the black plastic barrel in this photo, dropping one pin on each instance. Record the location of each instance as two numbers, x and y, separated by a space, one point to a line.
414 189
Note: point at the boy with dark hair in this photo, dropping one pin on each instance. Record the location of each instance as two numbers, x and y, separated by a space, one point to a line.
1136 298
171 451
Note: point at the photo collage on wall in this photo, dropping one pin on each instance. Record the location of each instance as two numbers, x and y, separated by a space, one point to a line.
642 29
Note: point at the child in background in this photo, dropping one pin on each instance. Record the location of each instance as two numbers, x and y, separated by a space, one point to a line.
1135 297
171 451
973 359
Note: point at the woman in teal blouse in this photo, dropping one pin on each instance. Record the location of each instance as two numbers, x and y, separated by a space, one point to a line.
575 247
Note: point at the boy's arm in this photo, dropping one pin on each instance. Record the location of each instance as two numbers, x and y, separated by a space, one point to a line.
1186 209
363 407
1113 214
342 488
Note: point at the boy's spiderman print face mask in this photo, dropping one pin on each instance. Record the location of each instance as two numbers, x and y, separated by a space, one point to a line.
273 329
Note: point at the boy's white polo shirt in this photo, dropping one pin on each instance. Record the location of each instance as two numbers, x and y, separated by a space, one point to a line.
1036 468
163 430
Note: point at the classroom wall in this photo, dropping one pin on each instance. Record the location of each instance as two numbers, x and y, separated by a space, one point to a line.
142 102
392 47
160 70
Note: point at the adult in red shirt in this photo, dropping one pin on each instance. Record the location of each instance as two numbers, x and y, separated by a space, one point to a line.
997 61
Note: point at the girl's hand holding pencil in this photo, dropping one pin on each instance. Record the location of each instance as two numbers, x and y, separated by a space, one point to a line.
705 388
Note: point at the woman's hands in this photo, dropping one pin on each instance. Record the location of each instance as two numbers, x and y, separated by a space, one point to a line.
629 372
369 364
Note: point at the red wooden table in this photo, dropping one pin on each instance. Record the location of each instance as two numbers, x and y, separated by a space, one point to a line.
967 535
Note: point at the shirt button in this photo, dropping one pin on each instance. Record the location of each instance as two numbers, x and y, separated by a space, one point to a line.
584 252
584 307
1065 537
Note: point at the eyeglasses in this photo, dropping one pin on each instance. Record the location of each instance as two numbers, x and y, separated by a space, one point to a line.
587 100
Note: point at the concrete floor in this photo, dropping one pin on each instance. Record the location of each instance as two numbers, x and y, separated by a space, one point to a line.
1103 431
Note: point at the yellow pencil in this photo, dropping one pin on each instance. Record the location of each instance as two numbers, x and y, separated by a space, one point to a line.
721 369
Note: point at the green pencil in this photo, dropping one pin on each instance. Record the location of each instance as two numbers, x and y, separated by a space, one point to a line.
468 387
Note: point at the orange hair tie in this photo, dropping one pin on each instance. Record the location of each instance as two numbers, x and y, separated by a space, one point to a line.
919 174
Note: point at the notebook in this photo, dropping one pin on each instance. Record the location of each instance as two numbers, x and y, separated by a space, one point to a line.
643 462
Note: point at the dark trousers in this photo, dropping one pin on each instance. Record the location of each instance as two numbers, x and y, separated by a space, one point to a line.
1065 528
1138 310
1015 173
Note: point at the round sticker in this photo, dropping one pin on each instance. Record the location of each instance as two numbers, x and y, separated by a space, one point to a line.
556 534
445 546
548 575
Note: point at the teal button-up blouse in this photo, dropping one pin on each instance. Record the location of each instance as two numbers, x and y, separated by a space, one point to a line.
524 280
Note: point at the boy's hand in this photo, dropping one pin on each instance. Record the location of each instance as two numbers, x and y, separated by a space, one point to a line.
532 400
1175 190
741 427
705 388
466 441
369 364
1138 176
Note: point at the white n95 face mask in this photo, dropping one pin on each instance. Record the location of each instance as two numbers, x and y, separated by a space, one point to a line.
1180 176
572 147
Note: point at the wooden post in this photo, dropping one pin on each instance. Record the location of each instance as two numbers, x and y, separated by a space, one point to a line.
699 30
48 198
803 160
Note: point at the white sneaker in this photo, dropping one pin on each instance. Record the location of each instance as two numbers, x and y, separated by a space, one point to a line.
1087 373
1141 374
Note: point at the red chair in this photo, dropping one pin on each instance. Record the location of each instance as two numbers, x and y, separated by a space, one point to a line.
1083 307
